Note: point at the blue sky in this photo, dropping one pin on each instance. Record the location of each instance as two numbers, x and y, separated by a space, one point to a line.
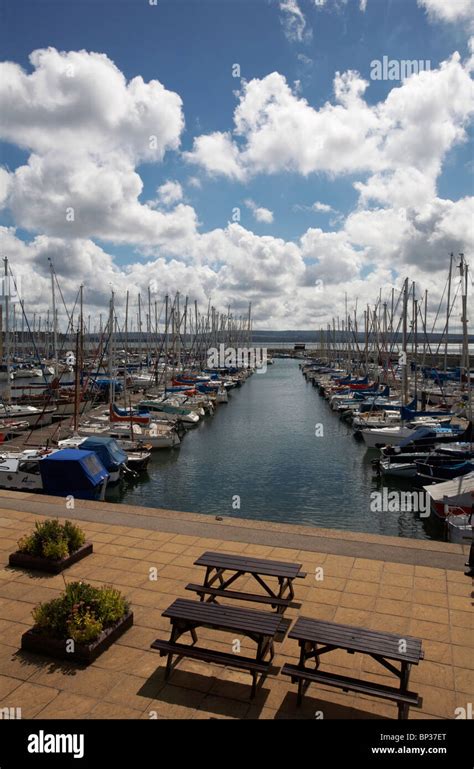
190 46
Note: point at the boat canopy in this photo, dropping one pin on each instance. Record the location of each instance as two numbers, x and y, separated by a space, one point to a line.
107 449
422 432
72 471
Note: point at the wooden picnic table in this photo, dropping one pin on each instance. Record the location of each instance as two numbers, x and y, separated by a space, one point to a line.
223 569
317 638
187 616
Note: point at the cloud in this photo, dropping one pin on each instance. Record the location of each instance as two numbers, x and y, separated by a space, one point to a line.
169 193
87 129
403 138
448 10
75 196
294 22
77 101
260 214
195 182
5 182
216 153
305 60
323 208
87 133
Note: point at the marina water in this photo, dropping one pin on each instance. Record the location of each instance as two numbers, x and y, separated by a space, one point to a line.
264 451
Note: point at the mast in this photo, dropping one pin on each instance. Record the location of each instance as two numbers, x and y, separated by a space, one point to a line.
366 342
139 320
125 373
148 328
111 355
448 310
78 365
415 340
166 338
55 324
249 325
178 334
8 388
425 320
465 368
404 345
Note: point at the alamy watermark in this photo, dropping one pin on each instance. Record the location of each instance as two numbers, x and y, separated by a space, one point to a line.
397 69
237 357
386 501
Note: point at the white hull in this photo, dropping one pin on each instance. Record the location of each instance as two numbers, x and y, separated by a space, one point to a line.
459 529
20 481
34 416
398 470
153 437
387 436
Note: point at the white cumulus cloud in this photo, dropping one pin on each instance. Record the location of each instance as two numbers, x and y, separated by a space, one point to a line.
260 214
449 10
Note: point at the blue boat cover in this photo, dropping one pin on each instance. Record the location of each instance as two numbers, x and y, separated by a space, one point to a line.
72 471
107 449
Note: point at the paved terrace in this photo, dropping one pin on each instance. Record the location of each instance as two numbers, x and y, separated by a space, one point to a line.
401 586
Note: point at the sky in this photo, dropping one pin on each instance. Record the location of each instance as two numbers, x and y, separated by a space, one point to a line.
287 153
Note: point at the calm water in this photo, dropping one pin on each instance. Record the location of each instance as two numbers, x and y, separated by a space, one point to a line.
262 447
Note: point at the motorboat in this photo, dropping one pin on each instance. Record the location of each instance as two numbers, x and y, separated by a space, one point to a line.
458 492
59 472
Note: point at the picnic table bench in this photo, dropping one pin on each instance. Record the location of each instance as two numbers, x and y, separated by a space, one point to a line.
216 585
316 638
187 616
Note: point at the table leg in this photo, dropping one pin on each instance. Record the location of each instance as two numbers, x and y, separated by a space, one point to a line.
169 661
404 678
305 647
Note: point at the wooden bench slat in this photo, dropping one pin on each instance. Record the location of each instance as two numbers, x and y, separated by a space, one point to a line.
225 617
262 566
208 655
357 639
353 684
196 588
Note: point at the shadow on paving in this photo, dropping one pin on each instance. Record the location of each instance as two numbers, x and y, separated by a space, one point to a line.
311 707
47 664
217 695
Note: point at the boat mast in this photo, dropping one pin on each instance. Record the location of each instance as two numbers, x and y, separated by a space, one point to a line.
148 328
448 311
415 341
55 326
249 325
8 388
166 339
178 334
78 364
425 327
185 331
465 367
404 345
139 321
111 355
125 373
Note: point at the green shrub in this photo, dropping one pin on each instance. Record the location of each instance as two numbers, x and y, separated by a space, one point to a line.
112 604
52 539
55 550
81 613
74 535
83 627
